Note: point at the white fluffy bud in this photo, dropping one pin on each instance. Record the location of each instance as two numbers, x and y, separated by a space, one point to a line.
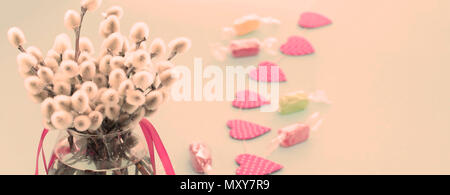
143 79
69 68
109 26
72 19
80 101
34 84
82 122
62 43
90 5
179 45
86 45
157 48
139 32
16 37
116 77
62 119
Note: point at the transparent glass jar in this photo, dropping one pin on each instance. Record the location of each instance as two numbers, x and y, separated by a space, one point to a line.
118 153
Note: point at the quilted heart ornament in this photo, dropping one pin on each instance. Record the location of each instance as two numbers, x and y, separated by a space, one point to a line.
248 99
244 130
254 165
267 72
297 46
313 20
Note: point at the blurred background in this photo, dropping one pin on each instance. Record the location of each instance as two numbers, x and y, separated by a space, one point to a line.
384 64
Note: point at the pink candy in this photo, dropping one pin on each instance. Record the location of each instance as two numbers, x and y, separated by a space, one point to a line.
244 47
293 134
200 157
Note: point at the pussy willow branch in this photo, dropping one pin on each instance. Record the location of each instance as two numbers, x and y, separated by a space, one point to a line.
138 44
77 34
173 54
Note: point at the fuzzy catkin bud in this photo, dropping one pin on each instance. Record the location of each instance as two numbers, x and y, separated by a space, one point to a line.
117 62
69 68
179 45
168 77
80 101
91 5
109 26
63 102
72 19
62 119
62 43
87 70
34 84
90 88
51 63
153 100
62 88
125 86
104 65
82 122
16 37
48 107
84 56
100 108
140 59
157 49
143 79
163 65
139 32
128 108
45 74
36 53
96 120
26 61
69 54
114 11
112 111
113 43
86 45
100 80
110 97
116 77
135 97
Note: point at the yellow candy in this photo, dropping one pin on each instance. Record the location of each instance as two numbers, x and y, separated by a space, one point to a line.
246 24
293 102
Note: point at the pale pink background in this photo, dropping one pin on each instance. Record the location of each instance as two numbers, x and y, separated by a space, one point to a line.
385 64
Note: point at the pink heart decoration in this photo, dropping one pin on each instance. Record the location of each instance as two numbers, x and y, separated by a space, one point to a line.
297 46
313 20
267 67
253 165
248 99
244 130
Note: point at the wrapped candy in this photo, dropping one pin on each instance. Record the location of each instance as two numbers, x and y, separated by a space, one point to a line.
244 48
200 157
249 23
299 100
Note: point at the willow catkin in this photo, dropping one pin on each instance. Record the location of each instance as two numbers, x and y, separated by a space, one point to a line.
72 19
62 88
112 111
163 65
16 37
86 45
39 97
26 60
45 74
117 62
139 32
110 97
135 97
168 77
129 108
48 107
100 108
143 79
113 43
114 11
153 100
90 88
63 102
83 57
140 59
105 65
51 63
62 119
69 54
34 84
82 122
96 119
54 55
157 48
109 26
62 43
125 86
116 77
91 5
100 80
36 53
87 70
179 45
80 101
69 68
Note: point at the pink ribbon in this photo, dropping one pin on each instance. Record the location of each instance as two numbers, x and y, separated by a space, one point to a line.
151 137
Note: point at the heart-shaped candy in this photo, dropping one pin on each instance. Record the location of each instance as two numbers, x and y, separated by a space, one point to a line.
244 130
248 99
264 73
313 20
297 46
254 165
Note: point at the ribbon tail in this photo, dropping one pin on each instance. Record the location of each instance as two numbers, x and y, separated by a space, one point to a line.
41 141
149 139
162 153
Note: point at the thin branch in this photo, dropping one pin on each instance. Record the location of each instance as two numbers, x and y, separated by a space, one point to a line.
77 34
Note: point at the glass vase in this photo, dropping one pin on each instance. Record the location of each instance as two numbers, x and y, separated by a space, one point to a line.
118 153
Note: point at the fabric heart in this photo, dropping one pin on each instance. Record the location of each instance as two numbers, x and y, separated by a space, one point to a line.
264 72
297 46
313 20
248 99
253 165
244 130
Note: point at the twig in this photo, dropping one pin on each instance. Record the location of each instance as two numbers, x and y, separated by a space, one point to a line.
77 34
